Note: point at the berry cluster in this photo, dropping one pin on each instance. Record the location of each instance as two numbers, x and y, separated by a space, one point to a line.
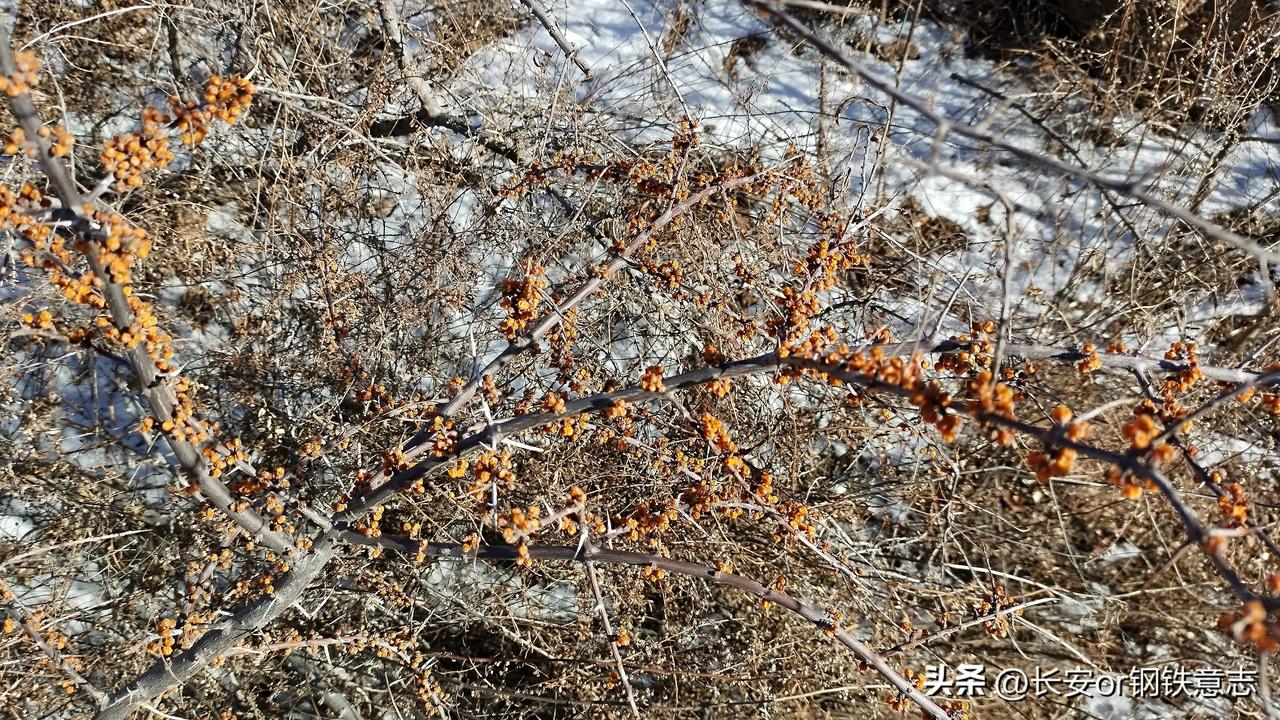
995 603
127 157
166 642
1234 504
645 520
1251 624
519 525
617 409
651 379
490 468
27 76
521 297
60 141
1057 461
42 320
1092 361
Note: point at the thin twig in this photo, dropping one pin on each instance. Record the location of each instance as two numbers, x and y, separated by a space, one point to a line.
33 631
930 637
574 553
946 126
608 633
569 51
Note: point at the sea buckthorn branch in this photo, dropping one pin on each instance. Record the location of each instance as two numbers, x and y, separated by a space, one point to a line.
1206 478
418 443
167 674
1243 390
1061 436
1065 437
569 51
171 672
1114 360
221 639
295 581
394 30
927 638
1227 500
61 663
1192 525
430 114
1121 361
590 553
32 627
58 337
615 641
946 126
480 434
195 423
160 395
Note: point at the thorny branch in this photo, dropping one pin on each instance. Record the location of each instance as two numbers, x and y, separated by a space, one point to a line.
591 554
33 630
417 444
550 26
946 126
225 638
612 639
159 394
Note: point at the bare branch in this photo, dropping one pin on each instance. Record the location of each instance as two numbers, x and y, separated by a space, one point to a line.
591 554
550 25
947 126
168 673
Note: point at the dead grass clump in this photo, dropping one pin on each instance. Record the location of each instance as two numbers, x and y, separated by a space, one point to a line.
1212 61
451 32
